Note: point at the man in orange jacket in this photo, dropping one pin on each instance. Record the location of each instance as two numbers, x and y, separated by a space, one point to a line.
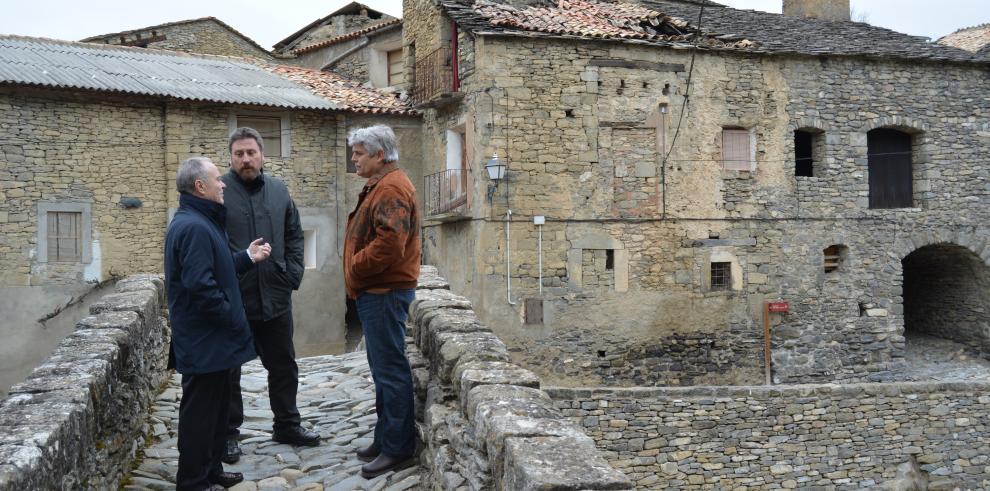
381 268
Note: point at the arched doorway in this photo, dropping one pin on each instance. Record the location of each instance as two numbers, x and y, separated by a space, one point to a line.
947 296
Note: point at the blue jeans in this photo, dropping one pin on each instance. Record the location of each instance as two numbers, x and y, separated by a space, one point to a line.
383 318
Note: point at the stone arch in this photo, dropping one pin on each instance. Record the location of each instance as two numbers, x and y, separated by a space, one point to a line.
945 287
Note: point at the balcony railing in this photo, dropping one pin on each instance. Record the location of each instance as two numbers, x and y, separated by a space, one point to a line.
445 192
434 76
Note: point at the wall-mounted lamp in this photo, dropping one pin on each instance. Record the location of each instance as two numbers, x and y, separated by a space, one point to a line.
496 173
495 168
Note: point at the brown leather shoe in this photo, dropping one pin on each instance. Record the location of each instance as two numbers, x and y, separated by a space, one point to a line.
226 479
384 463
367 454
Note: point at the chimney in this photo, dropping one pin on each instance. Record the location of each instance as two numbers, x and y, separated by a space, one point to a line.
817 9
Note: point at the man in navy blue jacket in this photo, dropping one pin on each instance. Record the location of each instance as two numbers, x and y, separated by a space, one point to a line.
210 333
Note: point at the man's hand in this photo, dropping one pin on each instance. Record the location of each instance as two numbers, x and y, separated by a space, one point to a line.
259 250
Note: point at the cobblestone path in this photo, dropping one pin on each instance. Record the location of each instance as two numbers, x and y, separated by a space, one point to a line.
336 398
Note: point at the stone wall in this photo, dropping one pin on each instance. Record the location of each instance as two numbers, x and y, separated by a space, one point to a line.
485 422
204 36
75 423
791 437
81 150
103 151
575 122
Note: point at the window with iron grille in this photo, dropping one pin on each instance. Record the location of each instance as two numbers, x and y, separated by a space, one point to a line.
721 276
64 236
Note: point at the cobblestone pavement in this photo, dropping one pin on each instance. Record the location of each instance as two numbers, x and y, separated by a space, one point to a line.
336 398
932 358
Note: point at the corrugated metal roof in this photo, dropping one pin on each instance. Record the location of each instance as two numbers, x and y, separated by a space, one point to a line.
63 64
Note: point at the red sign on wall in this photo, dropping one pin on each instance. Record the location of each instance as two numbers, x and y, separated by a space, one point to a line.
783 307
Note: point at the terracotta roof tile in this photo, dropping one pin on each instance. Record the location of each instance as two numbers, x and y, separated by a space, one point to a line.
346 94
596 19
351 35
972 39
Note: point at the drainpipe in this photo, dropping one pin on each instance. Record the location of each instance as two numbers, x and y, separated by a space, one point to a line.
508 250
539 220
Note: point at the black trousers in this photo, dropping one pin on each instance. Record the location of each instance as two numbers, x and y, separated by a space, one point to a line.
202 427
273 342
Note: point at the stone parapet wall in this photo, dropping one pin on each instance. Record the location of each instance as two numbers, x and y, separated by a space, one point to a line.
75 422
822 436
485 422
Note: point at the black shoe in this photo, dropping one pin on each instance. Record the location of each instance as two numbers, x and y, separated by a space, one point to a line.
227 479
367 454
231 452
384 464
297 435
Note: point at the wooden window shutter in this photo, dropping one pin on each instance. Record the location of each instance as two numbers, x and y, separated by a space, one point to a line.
736 150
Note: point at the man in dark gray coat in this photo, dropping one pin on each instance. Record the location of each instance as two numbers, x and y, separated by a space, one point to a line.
259 205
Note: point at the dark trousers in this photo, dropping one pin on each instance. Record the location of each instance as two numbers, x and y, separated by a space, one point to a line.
273 342
383 318
202 425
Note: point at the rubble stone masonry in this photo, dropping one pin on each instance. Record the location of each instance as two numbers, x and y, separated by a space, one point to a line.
580 125
794 437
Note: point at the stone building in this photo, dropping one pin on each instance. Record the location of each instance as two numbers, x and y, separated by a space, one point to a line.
675 167
974 39
372 55
347 19
207 35
89 147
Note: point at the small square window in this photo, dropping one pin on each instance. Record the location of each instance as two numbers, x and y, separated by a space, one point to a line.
737 149
721 276
64 236
395 67
534 311
309 248
351 168
270 129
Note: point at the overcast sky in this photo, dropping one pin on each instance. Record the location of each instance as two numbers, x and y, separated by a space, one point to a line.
268 22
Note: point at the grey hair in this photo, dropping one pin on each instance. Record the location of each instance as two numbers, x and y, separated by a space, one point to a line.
374 139
191 170
243 133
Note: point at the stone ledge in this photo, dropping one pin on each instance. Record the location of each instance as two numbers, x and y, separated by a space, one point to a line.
787 391
474 373
478 405
463 347
73 422
144 302
557 463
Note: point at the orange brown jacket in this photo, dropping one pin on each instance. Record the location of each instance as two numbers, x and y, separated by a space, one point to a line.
382 245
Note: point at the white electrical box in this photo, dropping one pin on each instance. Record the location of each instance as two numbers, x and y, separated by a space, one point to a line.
539 219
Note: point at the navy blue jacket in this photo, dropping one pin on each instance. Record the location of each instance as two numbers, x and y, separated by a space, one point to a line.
210 330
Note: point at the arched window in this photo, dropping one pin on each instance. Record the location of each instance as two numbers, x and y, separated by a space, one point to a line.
889 155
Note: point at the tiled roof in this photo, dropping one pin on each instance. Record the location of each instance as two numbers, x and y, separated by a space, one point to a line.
776 33
349 9
593 19
351 35
346 94
973 39
658 22
149 72
222 24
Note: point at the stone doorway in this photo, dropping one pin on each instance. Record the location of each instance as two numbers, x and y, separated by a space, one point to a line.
946 303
